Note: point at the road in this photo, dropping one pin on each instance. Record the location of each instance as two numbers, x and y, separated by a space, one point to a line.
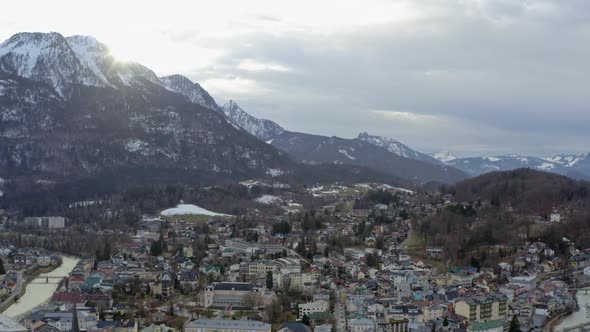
340 313
20 281
404 243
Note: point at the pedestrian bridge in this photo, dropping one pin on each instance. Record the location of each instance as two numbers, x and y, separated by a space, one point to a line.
48 280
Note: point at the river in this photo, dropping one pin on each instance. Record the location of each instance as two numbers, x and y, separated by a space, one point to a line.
38 292
578 317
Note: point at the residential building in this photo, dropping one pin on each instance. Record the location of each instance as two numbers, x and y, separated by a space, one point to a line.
239 294
164 286
311 307
262 267
361 325
226 325
482 308
555 216
46 222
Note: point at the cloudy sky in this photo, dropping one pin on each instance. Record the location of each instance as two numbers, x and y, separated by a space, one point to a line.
469 76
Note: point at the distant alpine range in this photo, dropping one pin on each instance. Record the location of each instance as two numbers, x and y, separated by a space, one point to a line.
68 109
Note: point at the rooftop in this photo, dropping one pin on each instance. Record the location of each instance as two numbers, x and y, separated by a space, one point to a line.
8 324
229 324
238 286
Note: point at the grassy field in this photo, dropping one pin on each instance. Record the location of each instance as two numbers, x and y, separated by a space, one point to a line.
415 244
416 248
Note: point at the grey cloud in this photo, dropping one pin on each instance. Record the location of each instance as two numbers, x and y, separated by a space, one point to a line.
508 76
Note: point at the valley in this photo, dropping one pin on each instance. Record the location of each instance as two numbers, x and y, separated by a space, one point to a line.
184 214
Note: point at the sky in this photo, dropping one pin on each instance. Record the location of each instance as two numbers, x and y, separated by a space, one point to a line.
473 77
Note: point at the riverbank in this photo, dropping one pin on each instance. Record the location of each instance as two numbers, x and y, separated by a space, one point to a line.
557 320
576 316
35 293
28 276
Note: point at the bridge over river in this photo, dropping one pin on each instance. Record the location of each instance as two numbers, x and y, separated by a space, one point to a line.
47 279
40 290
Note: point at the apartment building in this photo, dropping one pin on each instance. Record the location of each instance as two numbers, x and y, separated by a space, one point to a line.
482 308
238 294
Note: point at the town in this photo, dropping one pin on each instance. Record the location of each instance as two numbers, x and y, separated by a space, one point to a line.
359 260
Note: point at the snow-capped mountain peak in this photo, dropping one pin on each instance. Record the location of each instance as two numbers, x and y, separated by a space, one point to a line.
569 160
92 54
64 62
263 129
395 147
480 165
48 58
193 91
444 156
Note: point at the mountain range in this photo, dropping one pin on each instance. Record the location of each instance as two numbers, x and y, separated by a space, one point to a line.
69 109
314 149
575 166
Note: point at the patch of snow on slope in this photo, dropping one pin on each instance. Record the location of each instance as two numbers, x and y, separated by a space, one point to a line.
444 156
134 145
386 186
190 209
316 189
555 159
344 152
89 52
567 160
293 207
546 166
268 199
491 158
274 172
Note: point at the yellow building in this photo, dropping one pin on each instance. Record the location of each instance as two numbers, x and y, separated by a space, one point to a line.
482 308
261 268
444 280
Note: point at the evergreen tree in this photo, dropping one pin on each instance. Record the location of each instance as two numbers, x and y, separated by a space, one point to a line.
305 320
371 260
514 325
106 251
156 248
2 270
269 281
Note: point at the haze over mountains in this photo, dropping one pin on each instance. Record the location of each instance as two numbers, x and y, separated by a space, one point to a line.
68 108
575 166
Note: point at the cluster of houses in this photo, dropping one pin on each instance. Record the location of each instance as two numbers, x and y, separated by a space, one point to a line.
208 273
